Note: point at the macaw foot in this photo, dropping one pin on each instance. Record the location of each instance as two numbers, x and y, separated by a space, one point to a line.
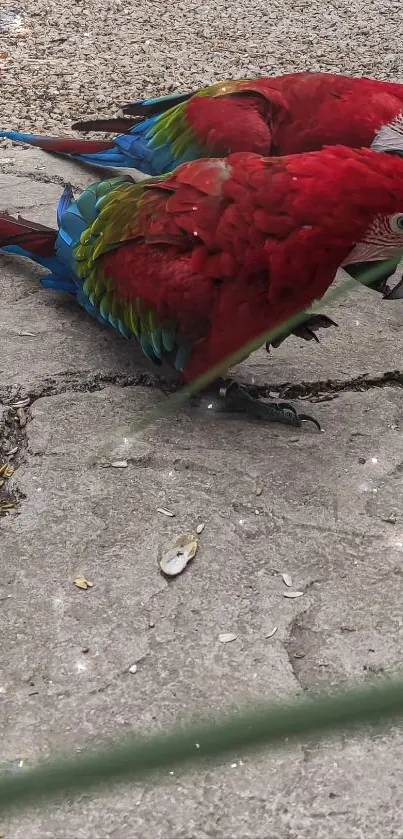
234 398
306 330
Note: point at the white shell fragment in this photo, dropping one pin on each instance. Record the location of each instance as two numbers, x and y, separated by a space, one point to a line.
272 632
22 403
165 512
175 559
200 528
119 464
292 594
287 580
133 668
227 637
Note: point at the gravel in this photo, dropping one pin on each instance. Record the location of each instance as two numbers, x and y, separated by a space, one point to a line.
61 61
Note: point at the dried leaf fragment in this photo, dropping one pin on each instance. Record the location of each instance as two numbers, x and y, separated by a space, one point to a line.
227 637
4 508
175 559
259 490
287 580
6 470
81 582
292 594
391 519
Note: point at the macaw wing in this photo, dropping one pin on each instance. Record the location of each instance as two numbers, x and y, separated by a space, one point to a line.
228 117
134 261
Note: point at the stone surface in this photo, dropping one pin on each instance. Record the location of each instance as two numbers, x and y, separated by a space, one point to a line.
61 62
321 517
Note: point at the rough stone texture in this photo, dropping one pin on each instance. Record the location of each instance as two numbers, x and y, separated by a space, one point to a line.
63 60
321 515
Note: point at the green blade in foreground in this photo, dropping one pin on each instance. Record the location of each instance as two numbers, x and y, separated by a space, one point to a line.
135 760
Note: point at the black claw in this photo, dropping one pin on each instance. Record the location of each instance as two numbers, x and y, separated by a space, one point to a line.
236 398
308 418
306 330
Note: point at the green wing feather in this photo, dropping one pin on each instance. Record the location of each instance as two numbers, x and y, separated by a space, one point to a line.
121 210
172 127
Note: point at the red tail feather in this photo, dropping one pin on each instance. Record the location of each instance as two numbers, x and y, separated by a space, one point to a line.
69 146
36 238
117 125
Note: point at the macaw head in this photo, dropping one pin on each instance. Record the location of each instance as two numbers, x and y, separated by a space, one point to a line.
384 238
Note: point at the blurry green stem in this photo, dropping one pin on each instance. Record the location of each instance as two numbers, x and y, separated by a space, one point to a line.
135 760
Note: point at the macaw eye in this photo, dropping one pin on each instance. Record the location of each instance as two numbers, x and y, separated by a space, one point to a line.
396 223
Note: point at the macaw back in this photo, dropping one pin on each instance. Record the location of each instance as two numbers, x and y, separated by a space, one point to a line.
330 109
268 115
200 262
196 263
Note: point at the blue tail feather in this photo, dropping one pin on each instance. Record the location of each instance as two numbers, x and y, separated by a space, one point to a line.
132 150
19 136
64 201
50 262
57 283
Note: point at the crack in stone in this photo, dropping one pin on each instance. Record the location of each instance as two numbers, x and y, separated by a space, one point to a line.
294 644
83 382
313 391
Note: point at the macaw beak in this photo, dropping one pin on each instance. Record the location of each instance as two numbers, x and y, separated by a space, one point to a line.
356 269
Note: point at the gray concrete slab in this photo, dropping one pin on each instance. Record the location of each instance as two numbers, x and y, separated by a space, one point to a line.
322 517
